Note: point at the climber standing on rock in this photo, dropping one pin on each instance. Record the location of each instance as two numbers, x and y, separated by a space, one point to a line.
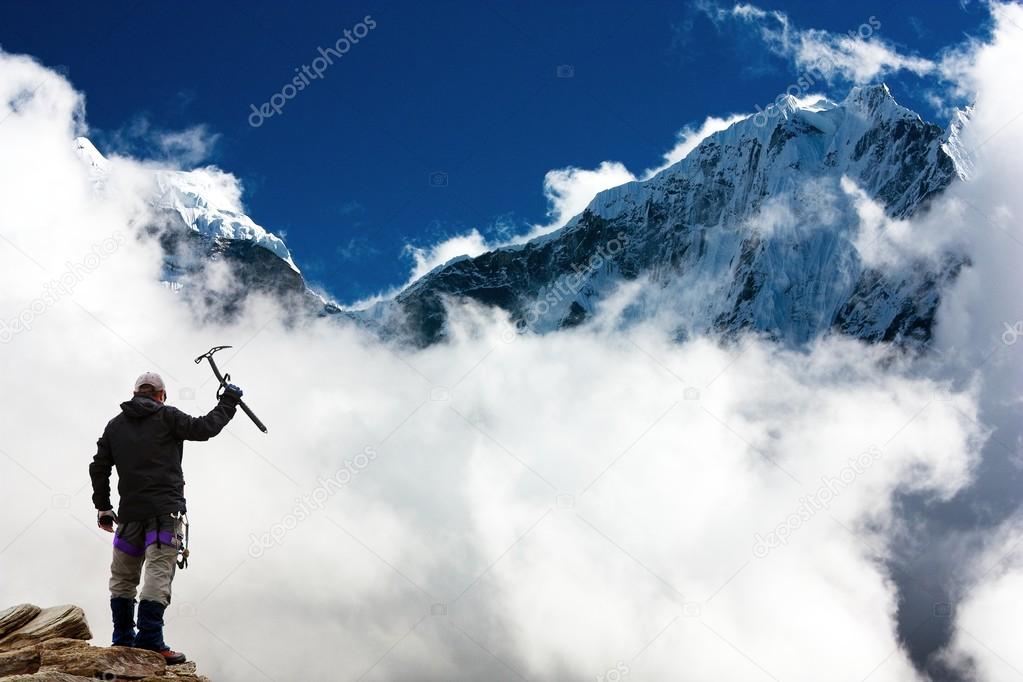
145 442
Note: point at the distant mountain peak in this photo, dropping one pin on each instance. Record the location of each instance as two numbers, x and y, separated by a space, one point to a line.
198 220
752 230
197 200
876 101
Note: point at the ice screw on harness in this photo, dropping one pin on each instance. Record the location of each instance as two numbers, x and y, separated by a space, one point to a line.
183 544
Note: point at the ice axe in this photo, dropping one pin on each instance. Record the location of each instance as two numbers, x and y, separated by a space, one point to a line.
224 378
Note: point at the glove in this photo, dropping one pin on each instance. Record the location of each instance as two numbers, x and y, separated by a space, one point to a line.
230 394
106 520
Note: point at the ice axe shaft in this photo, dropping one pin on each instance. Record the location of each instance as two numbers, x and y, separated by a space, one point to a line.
208 355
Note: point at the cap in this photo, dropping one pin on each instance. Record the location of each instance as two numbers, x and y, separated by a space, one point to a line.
149 379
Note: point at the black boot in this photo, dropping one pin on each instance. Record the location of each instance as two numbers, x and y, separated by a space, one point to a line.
150 634
123 611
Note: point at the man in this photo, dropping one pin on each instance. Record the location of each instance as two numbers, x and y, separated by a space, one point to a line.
145 443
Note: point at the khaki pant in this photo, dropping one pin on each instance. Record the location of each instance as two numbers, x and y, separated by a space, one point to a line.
150 545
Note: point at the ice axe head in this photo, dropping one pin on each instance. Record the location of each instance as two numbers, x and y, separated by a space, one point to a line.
224 379
209 353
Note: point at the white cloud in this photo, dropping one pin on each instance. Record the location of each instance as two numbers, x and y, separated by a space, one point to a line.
859 56
988 620
177 149
856 59
187 147
884 242
569 190
992 217
984 218
689 138
428 258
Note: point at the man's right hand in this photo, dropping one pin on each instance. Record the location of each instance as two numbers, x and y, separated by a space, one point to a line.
231 394
106 520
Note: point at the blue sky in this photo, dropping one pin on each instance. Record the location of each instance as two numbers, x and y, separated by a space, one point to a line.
468 94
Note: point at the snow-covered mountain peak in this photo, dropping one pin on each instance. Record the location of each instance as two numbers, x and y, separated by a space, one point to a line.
205 200
96 163
822 104
753 229
877 102
88 152
884 147
955 146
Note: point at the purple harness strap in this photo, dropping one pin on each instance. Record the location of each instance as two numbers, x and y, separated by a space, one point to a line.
126 547
164 537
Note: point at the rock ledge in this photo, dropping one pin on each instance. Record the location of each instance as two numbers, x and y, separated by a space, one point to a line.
50 645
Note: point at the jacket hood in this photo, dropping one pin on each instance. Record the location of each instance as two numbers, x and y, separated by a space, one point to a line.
139 407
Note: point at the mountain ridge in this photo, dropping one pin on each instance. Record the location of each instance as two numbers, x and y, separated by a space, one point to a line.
692 230
755 229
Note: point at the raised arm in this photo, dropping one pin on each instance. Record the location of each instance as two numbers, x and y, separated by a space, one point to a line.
207 426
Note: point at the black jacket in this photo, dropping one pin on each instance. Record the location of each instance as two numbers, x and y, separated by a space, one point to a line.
145 443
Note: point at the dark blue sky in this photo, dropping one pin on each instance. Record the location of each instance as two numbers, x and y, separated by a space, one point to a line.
468 89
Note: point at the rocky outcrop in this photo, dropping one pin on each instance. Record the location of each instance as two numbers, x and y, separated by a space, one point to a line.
19 661
51 645
14 617
57 622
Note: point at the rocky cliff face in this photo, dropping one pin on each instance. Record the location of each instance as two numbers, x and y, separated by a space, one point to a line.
754 230
50 645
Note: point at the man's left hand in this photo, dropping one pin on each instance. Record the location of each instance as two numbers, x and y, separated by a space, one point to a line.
106 520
